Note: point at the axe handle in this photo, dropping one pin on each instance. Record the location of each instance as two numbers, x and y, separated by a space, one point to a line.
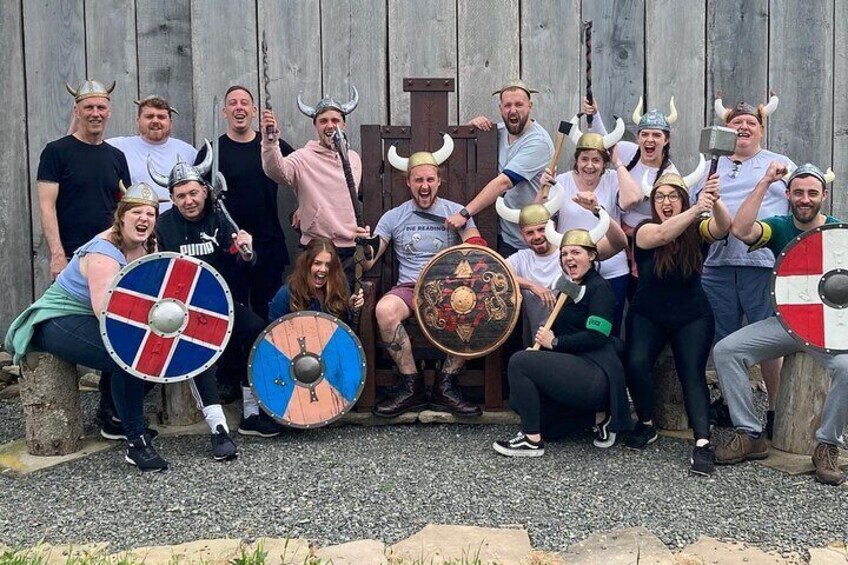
713 168
557 307
554 160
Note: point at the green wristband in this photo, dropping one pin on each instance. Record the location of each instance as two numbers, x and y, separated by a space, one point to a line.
599 325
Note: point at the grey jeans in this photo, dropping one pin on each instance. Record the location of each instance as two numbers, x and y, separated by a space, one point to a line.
764 340
534 315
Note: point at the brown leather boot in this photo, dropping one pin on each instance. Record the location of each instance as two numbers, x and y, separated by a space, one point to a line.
446 397
826 461
409 395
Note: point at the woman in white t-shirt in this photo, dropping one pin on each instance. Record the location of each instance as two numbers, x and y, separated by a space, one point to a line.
615 190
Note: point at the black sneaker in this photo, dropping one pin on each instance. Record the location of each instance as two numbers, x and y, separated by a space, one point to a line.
260 425
223 447
604 438
720 414
142 454
769 424
703 460
519 446
112 429
641 437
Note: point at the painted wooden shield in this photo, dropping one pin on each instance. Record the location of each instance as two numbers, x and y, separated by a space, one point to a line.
467 300
307 369
167 317
810 288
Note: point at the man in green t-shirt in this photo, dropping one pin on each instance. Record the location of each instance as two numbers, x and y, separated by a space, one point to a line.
767 339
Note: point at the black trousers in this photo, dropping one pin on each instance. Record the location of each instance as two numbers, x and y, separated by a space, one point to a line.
690 345
256 286
232 364
576 384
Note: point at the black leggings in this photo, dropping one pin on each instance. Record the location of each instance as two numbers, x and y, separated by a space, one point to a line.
232 364
572 381
690 345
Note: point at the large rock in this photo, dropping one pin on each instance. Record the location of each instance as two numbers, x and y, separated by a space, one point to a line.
360 552
713 552
833 554
619 547
47 554
210 551
288 551
5 359
439 544
10 391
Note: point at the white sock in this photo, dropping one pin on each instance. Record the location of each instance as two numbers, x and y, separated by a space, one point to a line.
250 407
702 442
214 416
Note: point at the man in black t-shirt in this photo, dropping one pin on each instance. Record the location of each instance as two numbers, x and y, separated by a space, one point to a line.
252 201
78 177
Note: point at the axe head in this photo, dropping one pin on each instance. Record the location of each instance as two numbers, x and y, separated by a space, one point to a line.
564 127
569 288
717 141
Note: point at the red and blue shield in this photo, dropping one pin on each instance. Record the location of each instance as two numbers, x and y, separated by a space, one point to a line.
307 369
810 288
167 317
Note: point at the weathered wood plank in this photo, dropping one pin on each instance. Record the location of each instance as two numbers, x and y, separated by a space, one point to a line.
487 55
354 42
15 239
422 43
618 65
838 194
552 26
737 51
223 53
111 54
800 56
55 54
677 71
164 58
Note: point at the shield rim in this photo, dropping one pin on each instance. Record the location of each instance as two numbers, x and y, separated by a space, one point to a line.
107 342
314 314
515 316
774 276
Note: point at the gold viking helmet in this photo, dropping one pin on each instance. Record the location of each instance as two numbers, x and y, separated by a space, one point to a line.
156 98
531 214
595 140
139 193
89 89
579 236
515 84
436 158
674 179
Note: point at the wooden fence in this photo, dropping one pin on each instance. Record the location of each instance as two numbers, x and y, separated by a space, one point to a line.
190 51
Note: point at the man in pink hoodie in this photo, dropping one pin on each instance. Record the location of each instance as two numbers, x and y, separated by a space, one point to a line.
316 175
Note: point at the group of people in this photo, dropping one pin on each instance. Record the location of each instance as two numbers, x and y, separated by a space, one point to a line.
686 252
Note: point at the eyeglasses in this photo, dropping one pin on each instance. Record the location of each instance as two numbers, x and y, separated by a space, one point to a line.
737 167
672 197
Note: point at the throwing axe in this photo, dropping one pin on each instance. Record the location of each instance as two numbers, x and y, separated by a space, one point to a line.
567 288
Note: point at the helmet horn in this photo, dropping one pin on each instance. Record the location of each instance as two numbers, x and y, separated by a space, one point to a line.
637 113
306 110
509 214
71 91
771 106
554 199
599 231
672 117
398 162
553 236
720 110
206 165
829 176
110 88
695 176
121 186
575 132
444 153
157 177
615 135
350 106
647 187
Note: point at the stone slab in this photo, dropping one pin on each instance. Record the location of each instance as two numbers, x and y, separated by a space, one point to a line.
47 554
360 552
16 462
792 463
285 551
834 554
714 552
505 417
216 551
619 547
439 544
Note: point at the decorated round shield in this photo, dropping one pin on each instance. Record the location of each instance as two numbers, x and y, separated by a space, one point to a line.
167 317
307 369
467 300
810 288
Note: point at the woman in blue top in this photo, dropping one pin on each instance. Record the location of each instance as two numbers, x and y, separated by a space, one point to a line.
64 322
317 283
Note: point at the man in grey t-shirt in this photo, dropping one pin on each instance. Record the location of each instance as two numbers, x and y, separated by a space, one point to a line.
524 150
417 240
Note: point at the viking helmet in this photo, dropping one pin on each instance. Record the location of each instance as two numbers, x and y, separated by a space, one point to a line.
595 140
139 193
422 157
515 84
810 170
182 171
761 112
156 98
328 103
674 179
654 119
531 214
89 89
579 236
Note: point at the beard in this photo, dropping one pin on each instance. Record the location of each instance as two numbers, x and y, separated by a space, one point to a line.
806 215
517 128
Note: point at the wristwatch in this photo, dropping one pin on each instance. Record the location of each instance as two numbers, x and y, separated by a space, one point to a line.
597 211
554 342
465 213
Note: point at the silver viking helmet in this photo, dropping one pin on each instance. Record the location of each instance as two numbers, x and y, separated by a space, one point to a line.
595 140
654 119
809 170
761 112
685 183
89 89
436 158
531 214
182 171
328 103
579 236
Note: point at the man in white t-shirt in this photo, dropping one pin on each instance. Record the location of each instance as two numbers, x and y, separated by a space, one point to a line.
155 118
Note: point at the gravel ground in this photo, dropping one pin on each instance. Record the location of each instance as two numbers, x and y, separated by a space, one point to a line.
340 484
